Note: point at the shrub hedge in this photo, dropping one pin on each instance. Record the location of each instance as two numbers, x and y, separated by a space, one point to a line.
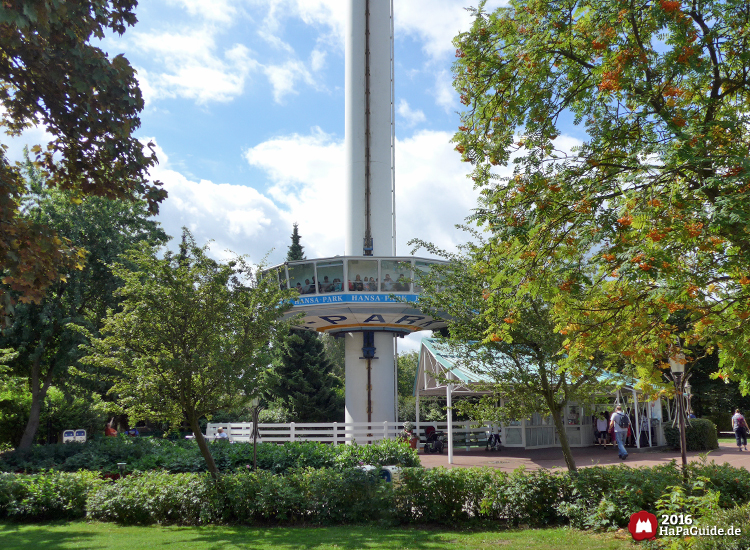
146 454
700 435
47 496
737 517
598 497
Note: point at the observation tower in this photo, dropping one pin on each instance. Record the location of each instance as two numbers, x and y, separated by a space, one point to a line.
366 296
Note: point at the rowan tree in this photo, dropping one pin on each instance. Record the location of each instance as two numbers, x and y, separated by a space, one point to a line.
648 216
50 75
526 365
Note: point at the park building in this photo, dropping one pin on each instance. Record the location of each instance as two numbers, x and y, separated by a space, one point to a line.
443 372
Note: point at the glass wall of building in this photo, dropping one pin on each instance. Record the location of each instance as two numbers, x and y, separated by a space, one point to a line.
302 277
349 274
363 275
396 276
330 276
422 268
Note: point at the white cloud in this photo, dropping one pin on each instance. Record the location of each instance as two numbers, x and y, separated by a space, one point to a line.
445 95
326 14
191 67
307 175
317 59
284 77
433 193
435 23
222 11
235 217
307 179
411 117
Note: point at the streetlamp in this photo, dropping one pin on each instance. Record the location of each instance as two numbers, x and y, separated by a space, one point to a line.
677 366
255 407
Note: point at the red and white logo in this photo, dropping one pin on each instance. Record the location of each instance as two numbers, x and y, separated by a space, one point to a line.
643 525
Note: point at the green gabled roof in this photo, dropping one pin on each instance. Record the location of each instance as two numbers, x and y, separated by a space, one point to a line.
446 356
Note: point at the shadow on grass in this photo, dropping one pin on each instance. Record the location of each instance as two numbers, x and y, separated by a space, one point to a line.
50 536
101 536
347 538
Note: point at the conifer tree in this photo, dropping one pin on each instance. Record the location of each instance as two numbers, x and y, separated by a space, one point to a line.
303 378
303 381
296 251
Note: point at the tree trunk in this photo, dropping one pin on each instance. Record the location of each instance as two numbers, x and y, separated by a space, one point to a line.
563 435
38 395
203 446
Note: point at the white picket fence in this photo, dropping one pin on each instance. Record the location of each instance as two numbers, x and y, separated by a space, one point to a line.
465 434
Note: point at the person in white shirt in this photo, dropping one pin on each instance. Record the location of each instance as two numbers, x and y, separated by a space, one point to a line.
739 425
220 434
601 430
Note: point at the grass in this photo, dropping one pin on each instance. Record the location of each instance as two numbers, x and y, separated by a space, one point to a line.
101 536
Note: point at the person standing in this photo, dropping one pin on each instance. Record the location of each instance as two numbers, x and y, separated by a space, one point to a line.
739 425
601 430
620 422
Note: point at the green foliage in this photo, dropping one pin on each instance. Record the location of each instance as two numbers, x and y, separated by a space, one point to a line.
201 354
700 435
46 496
635 231
302 380
15 403
732 484
51 75
595 498
525 368
47 335
606 497
737 517
386 452
527 497
442 495
296 251
408 363
157 497
146 453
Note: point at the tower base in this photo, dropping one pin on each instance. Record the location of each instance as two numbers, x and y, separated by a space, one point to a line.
382 379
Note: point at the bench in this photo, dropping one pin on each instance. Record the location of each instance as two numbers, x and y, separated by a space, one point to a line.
472 439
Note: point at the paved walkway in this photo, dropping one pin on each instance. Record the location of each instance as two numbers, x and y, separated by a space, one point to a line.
510 459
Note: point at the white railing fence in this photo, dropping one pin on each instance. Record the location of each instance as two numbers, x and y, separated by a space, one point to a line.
465 434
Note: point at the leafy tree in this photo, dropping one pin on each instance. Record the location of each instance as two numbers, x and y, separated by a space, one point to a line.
714 398
649 214
408 363
45 335
524 365
431 408
51 75
192 337
303 382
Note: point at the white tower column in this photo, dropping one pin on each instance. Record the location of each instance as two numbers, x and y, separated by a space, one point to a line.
368 136
367 140
382 397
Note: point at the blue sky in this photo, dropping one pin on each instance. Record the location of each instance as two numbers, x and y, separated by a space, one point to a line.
245 102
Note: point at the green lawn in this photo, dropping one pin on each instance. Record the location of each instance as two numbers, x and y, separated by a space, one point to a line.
98 536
